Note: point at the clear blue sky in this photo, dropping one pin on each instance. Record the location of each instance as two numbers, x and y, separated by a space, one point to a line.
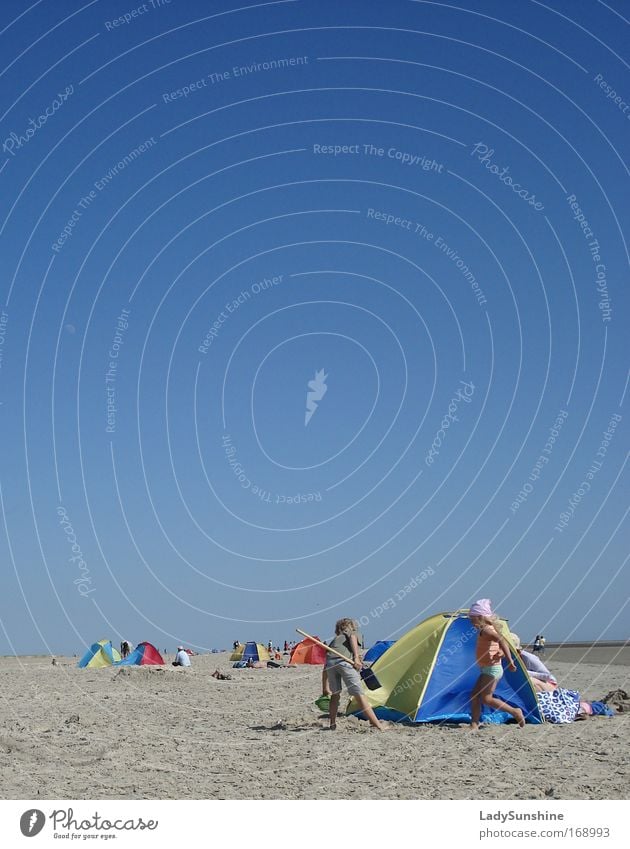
203 205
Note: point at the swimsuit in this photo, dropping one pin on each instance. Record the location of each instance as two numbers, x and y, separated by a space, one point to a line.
495 671
489 654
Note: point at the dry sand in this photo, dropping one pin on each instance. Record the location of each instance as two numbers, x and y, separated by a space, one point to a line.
160 732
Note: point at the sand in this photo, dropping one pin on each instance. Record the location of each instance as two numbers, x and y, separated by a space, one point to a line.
161 732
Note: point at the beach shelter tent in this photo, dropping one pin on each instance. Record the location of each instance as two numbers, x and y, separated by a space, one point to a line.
144 654
428 674
254 650
375 651
237 653
308 652
100 654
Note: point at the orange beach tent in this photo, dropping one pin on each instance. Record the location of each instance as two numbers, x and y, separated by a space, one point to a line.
308 652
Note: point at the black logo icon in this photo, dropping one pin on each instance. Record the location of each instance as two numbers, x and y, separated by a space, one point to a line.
32 822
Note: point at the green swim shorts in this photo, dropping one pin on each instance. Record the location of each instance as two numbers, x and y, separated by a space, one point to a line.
493 671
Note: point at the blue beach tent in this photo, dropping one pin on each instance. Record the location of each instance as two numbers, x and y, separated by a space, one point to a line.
375 651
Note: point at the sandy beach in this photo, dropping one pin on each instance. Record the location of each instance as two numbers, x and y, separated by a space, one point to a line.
160 732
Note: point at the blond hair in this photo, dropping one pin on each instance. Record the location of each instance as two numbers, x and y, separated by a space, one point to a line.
491 620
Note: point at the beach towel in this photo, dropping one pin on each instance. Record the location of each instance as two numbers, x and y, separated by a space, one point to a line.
560 706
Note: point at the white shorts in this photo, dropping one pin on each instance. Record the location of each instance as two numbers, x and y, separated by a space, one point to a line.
346 673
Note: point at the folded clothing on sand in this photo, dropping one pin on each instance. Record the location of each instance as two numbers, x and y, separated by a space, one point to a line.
600 709
619 700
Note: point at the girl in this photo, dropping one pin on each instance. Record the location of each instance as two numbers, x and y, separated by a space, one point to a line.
491 648
337 670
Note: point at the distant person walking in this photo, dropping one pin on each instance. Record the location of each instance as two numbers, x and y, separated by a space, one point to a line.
182 657
491 649
347 672
536 646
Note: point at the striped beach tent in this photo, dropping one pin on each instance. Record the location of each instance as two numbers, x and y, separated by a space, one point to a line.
99 655
144 654
429 673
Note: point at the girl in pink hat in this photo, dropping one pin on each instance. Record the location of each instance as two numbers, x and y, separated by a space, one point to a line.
491 649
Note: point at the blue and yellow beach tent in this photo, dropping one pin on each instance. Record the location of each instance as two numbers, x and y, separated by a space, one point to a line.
428 675
99 655
255 651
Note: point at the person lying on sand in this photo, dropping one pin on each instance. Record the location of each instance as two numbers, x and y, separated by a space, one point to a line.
542 686
491 649
346 671
221 676
535 667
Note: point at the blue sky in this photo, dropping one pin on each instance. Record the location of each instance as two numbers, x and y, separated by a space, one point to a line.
203 205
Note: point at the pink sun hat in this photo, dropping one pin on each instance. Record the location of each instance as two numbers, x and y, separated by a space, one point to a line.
482 607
